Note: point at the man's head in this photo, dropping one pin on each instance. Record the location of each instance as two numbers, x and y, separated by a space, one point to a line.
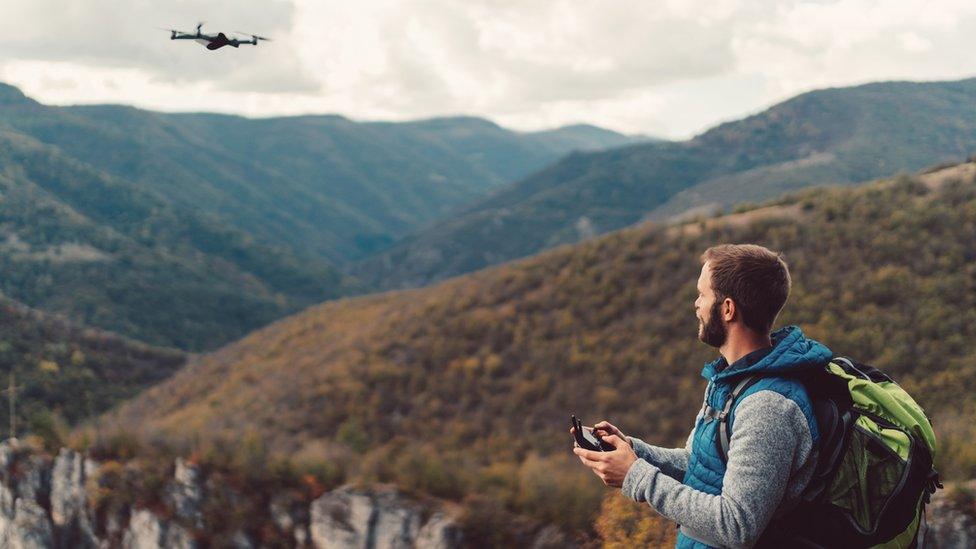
741 285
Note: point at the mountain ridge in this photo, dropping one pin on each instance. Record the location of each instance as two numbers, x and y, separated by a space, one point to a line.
836 135
325 186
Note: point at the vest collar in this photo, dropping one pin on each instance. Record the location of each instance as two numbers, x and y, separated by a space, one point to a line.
792 352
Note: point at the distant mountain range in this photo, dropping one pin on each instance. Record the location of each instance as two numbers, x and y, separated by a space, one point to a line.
457 387
326 187
190 230
830 136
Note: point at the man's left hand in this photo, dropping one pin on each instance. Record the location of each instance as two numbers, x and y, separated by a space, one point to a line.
611 467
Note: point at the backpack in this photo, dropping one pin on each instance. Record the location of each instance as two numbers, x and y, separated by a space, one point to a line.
874 473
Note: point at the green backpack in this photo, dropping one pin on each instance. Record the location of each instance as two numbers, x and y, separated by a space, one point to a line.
875 471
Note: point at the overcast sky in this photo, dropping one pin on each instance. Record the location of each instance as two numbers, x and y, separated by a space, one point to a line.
665 68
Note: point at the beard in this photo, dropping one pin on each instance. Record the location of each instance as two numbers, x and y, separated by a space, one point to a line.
713 331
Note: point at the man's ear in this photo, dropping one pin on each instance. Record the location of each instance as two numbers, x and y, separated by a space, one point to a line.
728 309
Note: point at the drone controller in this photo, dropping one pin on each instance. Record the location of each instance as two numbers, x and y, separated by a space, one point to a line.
587 440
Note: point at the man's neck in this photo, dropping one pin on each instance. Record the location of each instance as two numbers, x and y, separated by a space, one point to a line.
742 342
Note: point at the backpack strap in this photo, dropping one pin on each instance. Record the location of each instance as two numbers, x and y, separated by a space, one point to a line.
723 428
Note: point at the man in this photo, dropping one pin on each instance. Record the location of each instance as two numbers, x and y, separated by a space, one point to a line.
771 452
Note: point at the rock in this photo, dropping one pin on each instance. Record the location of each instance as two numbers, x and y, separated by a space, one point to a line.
952 519
30 527
47 504
6 514
302 536
350 517
147 531
177 537
34 483
69 501
440 532
281 512
340 519
290 515
186 493
240 540
551 537
144 531
114 528
396 522
7 448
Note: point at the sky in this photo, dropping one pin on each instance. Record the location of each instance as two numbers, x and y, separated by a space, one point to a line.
669 68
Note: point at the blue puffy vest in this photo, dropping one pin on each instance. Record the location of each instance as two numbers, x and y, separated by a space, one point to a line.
792 353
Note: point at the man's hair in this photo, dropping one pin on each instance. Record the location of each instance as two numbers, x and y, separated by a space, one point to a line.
755 278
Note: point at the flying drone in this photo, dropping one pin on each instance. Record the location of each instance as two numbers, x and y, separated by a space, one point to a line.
214 41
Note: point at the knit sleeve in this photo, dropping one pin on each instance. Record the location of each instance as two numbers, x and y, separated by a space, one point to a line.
768 437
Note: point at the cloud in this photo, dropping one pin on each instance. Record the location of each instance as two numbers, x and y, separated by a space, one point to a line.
671 67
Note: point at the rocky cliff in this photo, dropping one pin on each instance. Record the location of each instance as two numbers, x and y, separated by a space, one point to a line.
62 502
65 501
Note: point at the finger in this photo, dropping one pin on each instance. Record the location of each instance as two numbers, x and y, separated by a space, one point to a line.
590 455
604 425
583 452
595 465
614 440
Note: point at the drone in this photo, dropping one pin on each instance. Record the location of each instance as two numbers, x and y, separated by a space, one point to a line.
214 41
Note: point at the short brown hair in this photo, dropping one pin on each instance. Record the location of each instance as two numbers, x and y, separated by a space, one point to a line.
755 278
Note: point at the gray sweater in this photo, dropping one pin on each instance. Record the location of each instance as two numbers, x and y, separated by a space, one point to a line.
770 461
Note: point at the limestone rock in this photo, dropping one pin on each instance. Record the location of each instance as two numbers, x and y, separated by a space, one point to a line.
952 521
551 537
440 532
177 537
147 531
290 515
186 492
240 540
34 483
356 518
30 527
69 501
144 531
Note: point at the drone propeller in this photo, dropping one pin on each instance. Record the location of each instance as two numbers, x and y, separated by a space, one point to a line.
256 37
168 30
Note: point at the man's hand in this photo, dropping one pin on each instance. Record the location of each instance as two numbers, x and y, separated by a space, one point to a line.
611 467
605 428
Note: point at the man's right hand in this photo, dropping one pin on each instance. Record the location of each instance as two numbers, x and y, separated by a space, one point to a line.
605 429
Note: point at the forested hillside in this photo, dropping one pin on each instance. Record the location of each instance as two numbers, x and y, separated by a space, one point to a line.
464 389
77 241
64 373
838 135
326 187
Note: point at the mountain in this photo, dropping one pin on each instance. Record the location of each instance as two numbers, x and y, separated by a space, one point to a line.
586 137
96 248
838 135
190 230
326 187
464 389
66 373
